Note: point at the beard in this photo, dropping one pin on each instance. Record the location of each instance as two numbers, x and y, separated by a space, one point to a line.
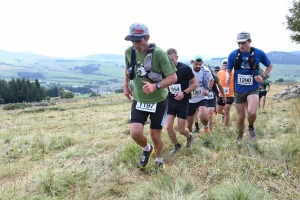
197 69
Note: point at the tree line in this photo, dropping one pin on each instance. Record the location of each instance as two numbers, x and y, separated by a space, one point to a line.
23 90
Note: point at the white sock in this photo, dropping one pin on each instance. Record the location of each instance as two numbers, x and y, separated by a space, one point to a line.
159 159
147 148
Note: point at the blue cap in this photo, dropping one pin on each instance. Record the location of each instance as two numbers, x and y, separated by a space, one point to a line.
198 57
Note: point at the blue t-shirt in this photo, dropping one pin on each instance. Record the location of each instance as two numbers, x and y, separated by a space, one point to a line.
184 75
244 80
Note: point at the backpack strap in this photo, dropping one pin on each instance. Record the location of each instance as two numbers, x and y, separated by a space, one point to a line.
133 59
133 56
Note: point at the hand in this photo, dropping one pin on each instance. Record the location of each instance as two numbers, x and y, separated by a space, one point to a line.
149 88
179 96
127 92
228 80
258 78
205 93
224 99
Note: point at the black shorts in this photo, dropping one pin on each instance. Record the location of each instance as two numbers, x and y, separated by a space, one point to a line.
180 111
262 94
211 103
230 100
193 106
138 116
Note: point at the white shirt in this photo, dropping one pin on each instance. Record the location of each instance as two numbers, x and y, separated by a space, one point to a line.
197 95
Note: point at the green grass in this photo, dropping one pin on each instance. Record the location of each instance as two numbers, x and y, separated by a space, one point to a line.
81 149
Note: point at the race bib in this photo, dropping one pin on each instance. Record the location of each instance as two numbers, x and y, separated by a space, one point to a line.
245 79
210 95
148 107
226 90
175 88
196 93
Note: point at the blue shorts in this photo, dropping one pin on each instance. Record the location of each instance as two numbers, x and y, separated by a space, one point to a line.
211 103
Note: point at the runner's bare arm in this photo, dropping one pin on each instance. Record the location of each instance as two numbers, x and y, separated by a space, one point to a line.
127 91
211 83
266 72
221 90
228 75
151 87
192 87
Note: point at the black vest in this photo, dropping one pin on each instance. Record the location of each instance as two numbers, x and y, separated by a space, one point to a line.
251 60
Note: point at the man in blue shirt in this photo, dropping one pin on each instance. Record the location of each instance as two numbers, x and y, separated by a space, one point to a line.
245 62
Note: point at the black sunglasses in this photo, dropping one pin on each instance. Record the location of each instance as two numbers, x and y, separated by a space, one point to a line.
242 42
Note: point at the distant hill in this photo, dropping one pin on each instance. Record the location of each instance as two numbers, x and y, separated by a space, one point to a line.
103 56
295 52
20 55
278 57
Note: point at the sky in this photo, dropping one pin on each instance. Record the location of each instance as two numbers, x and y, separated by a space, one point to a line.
75 28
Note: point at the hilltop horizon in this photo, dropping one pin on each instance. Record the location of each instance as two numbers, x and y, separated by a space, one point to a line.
4 53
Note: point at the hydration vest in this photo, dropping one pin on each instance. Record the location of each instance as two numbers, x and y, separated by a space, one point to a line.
251 60
153 76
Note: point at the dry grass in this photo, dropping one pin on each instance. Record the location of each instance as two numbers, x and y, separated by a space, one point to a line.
82 150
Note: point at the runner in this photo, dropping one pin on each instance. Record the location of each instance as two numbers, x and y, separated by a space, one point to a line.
199 96
211 99
245 62
178 101
263 93
217 69
225 106
145 65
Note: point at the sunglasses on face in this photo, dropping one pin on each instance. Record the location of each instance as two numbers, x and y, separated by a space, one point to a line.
242 42
136 41
217 70
224 63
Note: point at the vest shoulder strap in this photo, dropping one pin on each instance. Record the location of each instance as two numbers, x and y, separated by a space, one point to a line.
133 56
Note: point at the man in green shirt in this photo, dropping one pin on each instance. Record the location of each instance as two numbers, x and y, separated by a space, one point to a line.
263 89
151 73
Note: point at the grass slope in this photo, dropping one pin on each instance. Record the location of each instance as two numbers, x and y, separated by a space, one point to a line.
82 149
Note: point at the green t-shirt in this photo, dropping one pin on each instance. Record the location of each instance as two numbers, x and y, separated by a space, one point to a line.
263 86
161 63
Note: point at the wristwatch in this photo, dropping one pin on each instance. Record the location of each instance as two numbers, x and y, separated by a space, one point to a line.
264 76
184 93
158 86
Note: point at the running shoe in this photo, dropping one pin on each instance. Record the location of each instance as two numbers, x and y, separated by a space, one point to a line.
206 130
144 161
175 150
197 130
189 140
252 134
239 139
159 167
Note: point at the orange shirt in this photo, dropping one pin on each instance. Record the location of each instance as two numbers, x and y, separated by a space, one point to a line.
228 88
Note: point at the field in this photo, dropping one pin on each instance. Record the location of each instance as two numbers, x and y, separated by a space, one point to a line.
81 149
